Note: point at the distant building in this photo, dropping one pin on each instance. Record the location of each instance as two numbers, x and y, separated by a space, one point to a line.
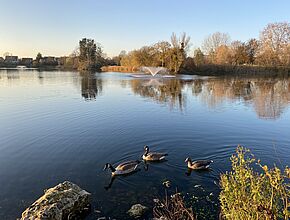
11 59
62 61
26 61
48 61
1 61
68 62
58 60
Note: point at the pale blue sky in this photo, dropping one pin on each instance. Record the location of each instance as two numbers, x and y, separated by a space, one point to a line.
54 27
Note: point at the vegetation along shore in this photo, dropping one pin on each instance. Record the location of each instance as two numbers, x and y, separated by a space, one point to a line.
218 55
250 190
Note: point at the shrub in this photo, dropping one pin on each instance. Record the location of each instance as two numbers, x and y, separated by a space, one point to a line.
249 194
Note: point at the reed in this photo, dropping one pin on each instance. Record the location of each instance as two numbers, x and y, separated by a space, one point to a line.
172 208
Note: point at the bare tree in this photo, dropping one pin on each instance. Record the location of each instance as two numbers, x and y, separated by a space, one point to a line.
215 40
181 43
180 47
174 40
275 40
252 47
199 58
239 53
75 52
223 55
162 48
276 36
286 56
184 42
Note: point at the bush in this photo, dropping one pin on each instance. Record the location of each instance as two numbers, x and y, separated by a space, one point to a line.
249 194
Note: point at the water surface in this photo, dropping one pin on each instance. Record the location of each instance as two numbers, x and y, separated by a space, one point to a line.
57 126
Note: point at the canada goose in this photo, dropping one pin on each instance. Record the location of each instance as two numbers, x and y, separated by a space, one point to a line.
123 168
152 156
198 164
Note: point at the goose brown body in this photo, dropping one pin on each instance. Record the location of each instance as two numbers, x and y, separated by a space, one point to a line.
128 165
198 164
153 156
123 168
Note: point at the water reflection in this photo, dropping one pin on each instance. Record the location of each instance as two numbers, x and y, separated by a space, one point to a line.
167 91
12 75
113 178
269 97
107 187
91 87
147 164
49 133
201 171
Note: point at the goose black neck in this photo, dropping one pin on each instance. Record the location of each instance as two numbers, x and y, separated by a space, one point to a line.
112 168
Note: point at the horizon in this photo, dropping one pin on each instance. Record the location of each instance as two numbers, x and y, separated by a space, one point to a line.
53 29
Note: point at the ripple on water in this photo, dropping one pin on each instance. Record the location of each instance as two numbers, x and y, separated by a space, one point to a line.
56 126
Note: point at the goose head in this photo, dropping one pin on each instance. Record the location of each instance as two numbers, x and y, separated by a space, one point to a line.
146 148
109 166
187 160
106 166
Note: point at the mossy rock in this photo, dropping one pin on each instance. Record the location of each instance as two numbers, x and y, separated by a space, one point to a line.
60 202
137 211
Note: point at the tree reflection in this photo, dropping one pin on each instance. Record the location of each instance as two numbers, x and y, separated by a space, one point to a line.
269 96
197 86
12 74
165 91
91 87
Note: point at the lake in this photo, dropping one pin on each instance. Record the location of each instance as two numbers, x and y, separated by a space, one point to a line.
57 126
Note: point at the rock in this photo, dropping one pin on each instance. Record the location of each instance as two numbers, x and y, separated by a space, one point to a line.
60 202
97 211
137 211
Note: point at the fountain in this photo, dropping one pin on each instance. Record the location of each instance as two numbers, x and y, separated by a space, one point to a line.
153 71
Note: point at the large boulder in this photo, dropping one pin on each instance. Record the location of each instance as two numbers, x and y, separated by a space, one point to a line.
60 202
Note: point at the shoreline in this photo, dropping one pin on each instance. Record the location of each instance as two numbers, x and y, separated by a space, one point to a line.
217 70
204 70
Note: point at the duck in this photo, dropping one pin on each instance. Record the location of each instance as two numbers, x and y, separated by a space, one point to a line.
152 156
123 168
198 164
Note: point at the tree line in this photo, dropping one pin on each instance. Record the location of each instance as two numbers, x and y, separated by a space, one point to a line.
271 49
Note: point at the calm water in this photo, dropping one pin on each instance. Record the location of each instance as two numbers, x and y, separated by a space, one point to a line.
57 126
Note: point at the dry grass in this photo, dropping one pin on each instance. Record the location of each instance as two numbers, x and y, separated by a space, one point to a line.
172 208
